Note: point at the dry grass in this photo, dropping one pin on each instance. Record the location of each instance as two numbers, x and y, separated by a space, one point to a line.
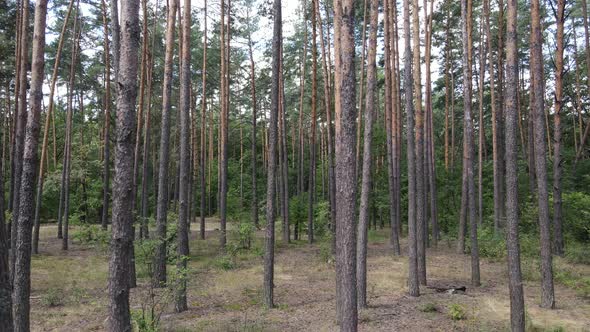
230 300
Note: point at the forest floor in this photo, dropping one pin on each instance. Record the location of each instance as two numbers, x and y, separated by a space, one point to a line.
69 291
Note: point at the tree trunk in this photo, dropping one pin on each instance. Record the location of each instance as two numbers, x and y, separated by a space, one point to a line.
346 186
497 120
557 158
517 313
361 90
312 146
283 146
185 160
413 285
22 267
46 131
204 126
254 145
419 148
19 135
141 107
5 286
429 133
107 124
466 14
68 140
268 289
159 277
122 234
367 159
326 71
481 126
223 153
547 293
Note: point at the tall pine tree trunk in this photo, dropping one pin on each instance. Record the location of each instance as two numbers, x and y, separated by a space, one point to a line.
268 290
204 126
346 186
361 260
517 313
24 223
547 293
557 158
159 277
466 14
185 159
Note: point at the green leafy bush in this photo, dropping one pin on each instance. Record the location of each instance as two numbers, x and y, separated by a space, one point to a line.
53 297
457 312
576 215
91 235
245 234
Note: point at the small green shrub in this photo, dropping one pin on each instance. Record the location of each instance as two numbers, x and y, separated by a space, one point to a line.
225 262
428 307
92 235
457 312
53 298
491 245
245 234
144 321
577 253
576 215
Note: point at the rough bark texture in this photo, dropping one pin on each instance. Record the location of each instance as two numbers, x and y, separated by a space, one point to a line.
159 277
361 259
122 234
5 286
106 175
345 82
413 286
26 206
204 126
466 11
517 315
557 157
419 147
269 241
19 135
185 157
547 293
497 141
223 142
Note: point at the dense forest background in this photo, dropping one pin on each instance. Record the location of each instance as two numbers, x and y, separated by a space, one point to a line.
216 160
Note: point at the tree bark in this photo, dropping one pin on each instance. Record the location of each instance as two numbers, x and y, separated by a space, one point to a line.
204 126
268 289
46 130
312 146
185 160
413 285
107 124
254 142
466 14
24 223
159 277
326 71
19 134
517 313
547 293
66 171
223 142
419 148
367 159
346 186
557 157
122 235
